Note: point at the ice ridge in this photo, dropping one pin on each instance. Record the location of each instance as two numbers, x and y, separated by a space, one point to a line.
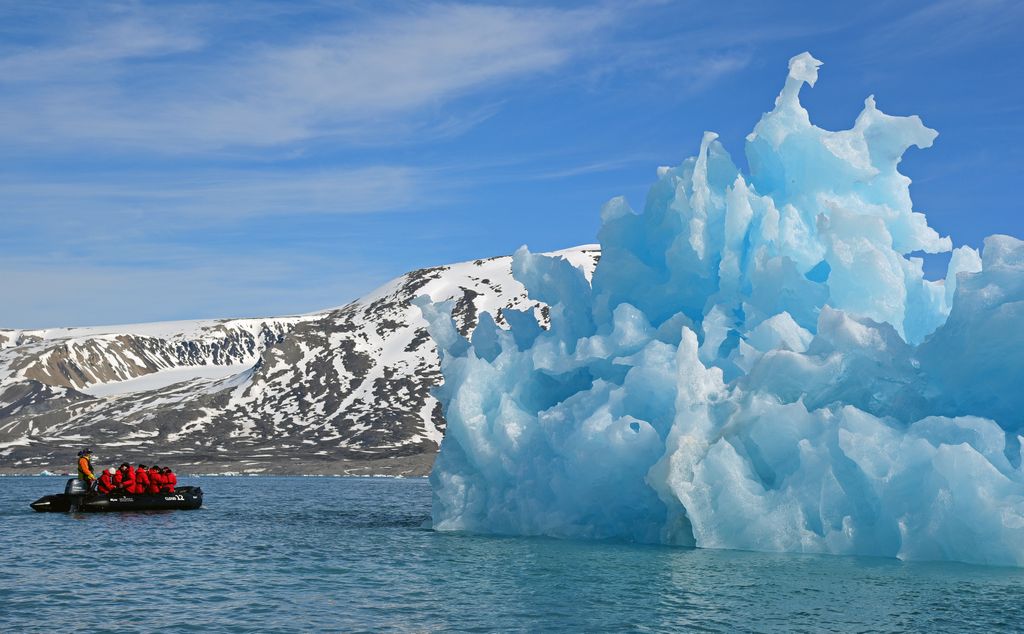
758 363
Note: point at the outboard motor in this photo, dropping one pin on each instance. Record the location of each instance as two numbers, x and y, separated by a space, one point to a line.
76 491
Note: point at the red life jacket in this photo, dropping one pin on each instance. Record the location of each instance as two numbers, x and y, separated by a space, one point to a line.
169 483
107 483
141 481
154 481
125 479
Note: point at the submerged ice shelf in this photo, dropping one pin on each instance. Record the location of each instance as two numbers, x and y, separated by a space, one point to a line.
758 363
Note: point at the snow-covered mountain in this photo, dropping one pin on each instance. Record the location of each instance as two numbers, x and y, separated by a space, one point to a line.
340 391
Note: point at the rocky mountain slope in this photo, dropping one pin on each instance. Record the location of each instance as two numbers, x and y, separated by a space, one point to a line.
340 391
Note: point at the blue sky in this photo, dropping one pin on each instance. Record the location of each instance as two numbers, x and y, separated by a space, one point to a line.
187 160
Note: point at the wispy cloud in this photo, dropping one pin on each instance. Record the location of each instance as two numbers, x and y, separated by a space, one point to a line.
217 194
175 86
584 170
94 54
713 42
176 284
946 27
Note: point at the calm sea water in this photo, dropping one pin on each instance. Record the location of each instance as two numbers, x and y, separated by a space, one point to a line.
341 554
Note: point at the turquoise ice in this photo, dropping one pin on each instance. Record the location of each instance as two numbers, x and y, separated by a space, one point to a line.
758 363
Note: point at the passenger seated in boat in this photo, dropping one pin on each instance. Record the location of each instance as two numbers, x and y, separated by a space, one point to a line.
170 481
125 478
106 483
141 479
155 479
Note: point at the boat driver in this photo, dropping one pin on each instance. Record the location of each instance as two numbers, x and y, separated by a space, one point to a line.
85 468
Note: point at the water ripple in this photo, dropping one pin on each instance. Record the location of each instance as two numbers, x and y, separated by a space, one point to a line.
330 554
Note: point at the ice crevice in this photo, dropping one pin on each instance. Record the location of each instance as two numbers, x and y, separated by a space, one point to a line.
758 362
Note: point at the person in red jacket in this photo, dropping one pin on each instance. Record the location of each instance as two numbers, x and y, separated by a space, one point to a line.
155 480
141 480
107 484
170 481
125 478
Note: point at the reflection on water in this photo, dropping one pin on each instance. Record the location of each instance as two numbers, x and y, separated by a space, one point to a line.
301 554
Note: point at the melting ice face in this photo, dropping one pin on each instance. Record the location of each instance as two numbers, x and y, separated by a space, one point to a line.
756 364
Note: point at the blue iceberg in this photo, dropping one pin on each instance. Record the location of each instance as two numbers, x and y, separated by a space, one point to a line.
757 363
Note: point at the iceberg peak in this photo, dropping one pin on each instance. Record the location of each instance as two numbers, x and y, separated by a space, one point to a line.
804 68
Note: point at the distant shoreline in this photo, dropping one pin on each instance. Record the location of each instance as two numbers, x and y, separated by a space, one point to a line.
414 466
237 475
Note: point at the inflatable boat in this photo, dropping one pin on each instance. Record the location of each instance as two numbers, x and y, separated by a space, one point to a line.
76 499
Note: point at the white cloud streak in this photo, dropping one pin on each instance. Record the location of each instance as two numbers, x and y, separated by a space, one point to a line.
171 86
43 292
220 195
951 27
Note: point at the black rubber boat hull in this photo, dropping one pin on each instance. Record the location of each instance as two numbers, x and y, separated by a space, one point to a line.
183 498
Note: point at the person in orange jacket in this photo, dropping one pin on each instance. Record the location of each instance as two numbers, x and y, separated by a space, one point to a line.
125 478
141 480
106 483
170 481
85 468
155 480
